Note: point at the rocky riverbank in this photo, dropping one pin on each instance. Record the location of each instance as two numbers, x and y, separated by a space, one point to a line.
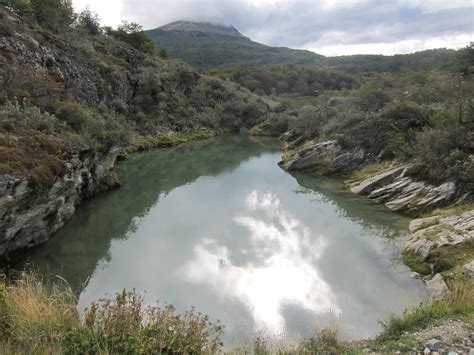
440 249
28 216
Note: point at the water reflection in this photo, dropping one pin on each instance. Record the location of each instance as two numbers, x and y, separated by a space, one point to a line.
218 225
283 269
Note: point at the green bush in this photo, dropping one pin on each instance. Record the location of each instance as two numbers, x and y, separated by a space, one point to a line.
40 318
53 14
14 116
74 114
133 34
89 21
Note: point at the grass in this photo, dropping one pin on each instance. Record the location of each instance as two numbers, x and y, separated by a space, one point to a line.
146 143
416 263
36 317
459 303
41 318
452 210
38 157
369 170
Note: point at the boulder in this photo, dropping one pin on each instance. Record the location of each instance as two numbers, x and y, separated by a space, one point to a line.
437 288
468 270
433 344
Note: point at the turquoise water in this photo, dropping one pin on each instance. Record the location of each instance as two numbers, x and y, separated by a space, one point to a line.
219 226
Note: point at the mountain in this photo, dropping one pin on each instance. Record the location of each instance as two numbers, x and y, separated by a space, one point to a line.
212 46
207 45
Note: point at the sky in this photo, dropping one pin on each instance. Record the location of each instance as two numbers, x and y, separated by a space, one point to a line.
328 27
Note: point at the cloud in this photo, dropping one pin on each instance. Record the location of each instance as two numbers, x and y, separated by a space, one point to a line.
328 26
285 271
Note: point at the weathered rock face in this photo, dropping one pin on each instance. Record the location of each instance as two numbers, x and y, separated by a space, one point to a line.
29 217
400 192
438 231
326 157
437 288
429 234
68 71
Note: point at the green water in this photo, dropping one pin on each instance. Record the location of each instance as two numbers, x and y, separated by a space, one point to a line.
218 225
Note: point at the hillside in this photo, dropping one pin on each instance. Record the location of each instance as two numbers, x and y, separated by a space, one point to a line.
73 96
209 46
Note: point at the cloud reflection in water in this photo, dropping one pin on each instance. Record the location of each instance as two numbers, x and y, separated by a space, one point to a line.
282 272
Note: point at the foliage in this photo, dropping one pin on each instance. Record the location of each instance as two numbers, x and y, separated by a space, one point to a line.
41 318
133 34
54 14
284 80
89 21
459 302
324 342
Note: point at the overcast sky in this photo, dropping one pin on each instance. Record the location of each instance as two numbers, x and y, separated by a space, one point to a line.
329 27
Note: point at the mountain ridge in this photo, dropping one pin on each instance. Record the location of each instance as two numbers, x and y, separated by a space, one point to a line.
207 45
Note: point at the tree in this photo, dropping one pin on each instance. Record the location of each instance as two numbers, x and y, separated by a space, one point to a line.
53 14
133 34
163 54
89 21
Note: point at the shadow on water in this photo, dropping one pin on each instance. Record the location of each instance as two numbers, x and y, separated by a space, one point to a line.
74 251
356 208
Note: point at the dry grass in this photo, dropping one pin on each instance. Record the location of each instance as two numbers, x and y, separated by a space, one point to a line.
39 318
36 317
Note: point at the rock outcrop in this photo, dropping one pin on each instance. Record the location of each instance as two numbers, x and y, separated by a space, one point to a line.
28 216
401 192
439 231
325 157
428 236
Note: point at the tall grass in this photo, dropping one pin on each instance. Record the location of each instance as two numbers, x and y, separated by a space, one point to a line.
39 318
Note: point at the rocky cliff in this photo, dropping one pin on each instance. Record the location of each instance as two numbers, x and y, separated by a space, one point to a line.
29 216
69 98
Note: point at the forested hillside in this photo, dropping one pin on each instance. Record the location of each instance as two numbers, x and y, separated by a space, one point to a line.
209 46
73 95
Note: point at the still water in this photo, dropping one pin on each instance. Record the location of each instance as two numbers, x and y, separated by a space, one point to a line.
219 226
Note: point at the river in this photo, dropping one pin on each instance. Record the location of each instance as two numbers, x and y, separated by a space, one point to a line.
218 225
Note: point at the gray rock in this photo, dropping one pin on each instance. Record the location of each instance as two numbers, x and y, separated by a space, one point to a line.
437 288
468 270
28 217
313 154
433 344
471 351
378 180
438 231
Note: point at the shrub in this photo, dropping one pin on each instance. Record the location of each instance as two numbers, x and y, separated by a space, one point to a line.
133 34
42 318
74 114
323 342
53 14
89 21
445 152
14 116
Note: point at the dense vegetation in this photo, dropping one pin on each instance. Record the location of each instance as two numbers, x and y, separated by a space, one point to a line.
67 82
424 116
40 318
209 46
65 79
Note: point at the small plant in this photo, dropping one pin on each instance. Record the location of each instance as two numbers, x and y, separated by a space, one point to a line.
323 342
41 318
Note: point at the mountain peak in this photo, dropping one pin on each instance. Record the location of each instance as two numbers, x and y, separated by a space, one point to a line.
204 27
